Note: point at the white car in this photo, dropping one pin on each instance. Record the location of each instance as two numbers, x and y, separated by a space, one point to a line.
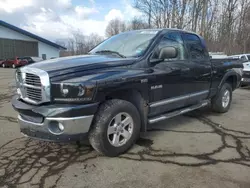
246 71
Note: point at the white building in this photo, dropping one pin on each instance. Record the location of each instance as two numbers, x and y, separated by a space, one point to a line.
16 42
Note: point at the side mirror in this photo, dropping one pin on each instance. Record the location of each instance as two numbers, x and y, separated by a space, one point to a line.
168 53
165 53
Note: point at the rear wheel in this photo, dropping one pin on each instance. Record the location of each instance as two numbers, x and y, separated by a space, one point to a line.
3 65
13 66
222 102
116 127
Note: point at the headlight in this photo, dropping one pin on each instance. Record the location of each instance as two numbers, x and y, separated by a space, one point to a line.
72 92
64 90
81 91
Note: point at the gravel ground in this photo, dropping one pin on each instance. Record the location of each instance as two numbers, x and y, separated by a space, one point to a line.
200 149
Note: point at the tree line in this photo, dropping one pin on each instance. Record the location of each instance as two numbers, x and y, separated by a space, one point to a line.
225 24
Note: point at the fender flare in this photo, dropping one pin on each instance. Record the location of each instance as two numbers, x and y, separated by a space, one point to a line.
137 98
226 76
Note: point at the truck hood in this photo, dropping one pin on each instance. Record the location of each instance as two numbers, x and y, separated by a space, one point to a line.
72 64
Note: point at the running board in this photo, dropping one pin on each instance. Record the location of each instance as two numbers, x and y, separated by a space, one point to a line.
178 112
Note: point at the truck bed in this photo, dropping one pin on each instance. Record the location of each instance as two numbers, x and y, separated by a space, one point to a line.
230 63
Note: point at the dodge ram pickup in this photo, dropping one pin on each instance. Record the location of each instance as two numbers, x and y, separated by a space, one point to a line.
121 86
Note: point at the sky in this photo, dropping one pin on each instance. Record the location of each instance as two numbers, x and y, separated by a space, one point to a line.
58 19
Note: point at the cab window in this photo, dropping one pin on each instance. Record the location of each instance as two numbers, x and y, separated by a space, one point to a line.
196 48
171 40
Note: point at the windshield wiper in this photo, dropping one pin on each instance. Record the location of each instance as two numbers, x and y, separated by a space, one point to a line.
110 51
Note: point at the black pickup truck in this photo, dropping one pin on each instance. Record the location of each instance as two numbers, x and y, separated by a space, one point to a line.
124 84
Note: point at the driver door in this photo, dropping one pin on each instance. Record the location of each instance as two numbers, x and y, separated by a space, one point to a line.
169 90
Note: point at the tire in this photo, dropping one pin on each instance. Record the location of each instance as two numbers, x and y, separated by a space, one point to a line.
222 101
103 141
13 66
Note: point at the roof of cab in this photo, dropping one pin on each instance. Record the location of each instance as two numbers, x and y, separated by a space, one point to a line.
164 29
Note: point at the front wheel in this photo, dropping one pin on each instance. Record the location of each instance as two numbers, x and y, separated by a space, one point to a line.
222 102
3 65
115 128
13 66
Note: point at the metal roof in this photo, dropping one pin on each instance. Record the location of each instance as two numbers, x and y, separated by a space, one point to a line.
19 30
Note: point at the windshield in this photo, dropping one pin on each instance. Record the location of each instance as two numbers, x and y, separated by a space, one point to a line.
129 44
248 57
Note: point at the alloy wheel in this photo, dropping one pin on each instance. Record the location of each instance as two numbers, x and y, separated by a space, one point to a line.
226 98
120 129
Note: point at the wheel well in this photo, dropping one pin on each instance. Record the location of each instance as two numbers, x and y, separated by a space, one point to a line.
233 81
136 99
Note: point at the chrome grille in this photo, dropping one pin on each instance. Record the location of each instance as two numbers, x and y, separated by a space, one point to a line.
34 94
33 85
32 79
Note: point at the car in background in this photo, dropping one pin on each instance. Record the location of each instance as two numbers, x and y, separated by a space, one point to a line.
14 62
2 61
217 55
245 81
32 59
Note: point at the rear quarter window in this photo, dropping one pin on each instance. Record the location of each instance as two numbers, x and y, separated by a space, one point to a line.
196 46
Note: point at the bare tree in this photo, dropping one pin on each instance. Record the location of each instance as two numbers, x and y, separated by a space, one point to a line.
114 27
223 23
246 30
91 41
137 23
81 44
145 6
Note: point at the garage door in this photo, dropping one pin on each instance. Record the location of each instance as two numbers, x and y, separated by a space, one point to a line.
10 48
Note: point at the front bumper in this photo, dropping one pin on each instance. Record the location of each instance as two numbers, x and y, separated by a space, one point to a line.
42 122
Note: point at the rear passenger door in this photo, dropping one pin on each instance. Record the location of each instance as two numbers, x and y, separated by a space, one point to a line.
199 66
